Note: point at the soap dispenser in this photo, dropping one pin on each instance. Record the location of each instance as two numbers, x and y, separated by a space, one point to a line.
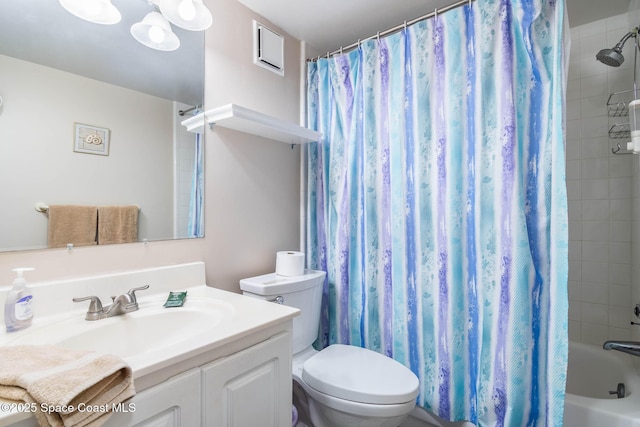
18 312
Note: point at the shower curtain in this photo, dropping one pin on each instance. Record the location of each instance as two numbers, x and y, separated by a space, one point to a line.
195 226
437 206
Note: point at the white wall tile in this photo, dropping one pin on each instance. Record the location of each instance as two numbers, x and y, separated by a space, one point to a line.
620 296
620 209
574 129
595 209
620 252
574 310
595 313
597 231
573 109
620 274
589 67
574 169
575 230
596 251
594 106
596 293
575 209
595 188
595 168
620 231
574 330
597 89
575 271
596 27
618 318
595 147
575 250
591 333
594 126
604 264
573 85
596 272
574 289
618 334
617 22
574 190
574 149
620 80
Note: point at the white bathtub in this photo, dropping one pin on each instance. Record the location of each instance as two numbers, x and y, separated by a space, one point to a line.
592 373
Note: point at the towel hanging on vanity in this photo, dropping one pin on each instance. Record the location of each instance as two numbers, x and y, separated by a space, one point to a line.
66 381
117 224
74 224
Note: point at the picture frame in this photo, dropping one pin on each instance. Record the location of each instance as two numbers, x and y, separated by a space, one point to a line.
91 140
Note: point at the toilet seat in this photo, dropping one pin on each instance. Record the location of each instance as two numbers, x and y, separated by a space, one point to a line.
360 375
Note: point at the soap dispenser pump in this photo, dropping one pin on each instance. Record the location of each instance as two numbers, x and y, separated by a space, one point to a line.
18 311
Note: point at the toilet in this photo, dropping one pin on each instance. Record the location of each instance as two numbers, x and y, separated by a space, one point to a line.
345 386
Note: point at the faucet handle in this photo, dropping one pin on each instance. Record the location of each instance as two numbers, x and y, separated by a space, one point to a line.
132 293
95 307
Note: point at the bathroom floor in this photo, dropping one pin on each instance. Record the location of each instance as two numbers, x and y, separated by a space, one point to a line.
417 418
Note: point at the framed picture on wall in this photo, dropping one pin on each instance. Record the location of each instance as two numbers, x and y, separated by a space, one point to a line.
91 140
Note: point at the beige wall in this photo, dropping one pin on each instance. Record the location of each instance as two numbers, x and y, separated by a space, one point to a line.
252 184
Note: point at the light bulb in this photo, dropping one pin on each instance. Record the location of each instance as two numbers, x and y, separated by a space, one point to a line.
187 10
93 9
156 34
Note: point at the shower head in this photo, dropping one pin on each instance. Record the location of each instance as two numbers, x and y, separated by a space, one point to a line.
613 57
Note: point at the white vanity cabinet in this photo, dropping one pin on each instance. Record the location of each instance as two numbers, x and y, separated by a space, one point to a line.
173 403
251 387
222 360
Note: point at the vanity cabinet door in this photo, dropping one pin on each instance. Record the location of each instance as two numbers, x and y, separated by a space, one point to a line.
250 388
173 403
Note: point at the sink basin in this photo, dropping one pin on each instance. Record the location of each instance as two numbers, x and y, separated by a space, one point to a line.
150 329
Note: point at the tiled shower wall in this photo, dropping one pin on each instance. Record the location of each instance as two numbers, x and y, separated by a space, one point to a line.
600 188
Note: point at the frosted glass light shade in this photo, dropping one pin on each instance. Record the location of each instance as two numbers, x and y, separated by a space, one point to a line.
188 14
96 11
155 32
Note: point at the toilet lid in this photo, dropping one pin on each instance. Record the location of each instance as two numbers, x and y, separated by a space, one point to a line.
360 375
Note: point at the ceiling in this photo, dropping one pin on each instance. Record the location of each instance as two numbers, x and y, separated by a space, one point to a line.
42 31
329 24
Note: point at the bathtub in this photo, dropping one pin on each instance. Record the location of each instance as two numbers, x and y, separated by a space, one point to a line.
592 373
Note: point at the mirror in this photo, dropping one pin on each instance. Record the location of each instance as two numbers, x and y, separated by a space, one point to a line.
58 71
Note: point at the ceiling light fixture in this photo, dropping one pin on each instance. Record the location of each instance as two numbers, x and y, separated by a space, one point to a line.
155 32
188 14
96 11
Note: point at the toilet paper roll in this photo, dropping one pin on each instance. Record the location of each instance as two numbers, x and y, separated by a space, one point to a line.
289 263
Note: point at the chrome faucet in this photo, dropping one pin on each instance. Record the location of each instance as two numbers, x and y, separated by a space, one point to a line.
125 303
629 347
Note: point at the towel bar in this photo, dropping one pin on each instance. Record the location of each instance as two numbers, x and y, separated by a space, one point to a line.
44 208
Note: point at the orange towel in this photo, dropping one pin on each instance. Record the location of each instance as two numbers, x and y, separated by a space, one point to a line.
117 224
72 224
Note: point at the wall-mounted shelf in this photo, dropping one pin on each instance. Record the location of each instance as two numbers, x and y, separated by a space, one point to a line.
243 119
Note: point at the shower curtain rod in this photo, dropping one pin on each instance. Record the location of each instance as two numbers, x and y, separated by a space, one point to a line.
182 112
397 28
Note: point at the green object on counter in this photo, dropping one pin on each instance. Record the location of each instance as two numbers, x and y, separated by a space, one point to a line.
175 299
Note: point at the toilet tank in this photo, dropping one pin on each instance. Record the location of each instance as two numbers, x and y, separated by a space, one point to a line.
302 292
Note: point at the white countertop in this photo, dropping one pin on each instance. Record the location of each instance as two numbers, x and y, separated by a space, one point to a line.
239 317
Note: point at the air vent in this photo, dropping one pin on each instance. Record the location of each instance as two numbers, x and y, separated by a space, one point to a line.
268 48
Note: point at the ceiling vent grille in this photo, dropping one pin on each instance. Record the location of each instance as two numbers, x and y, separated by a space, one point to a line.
268 48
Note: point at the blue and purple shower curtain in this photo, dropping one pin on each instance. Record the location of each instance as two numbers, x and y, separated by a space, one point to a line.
437 206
